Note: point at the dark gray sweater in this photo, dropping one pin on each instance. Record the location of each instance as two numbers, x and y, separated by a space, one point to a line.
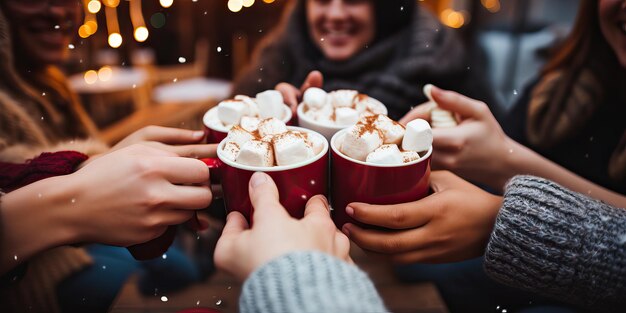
546 239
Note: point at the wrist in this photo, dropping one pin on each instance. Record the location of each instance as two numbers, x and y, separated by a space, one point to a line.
34 219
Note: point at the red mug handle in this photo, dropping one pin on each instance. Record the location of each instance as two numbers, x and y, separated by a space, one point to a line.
155 247
214 165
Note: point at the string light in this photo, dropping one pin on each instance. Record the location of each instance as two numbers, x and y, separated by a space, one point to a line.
454 19
247 3
141 32
166 3
492 5
115 38
94 6
235 5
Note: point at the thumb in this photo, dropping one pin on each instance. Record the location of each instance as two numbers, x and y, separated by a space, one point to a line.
265 198
314 79
455 102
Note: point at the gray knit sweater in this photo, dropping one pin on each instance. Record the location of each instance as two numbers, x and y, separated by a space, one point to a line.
546 239
561 244
309 282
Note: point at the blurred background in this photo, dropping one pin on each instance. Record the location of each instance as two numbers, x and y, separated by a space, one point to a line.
165 62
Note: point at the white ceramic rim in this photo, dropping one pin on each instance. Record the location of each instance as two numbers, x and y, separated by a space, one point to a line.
276 168
301 115
205 117
336 150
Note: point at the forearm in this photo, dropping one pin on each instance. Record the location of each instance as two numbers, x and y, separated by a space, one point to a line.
33 220
559 243
522 160
309 282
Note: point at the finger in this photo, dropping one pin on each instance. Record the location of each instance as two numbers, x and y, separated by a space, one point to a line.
174 217
421 111
444 160
396 216
314 79
385 241
170 135
290 94
188 197
317 208
235 224
196 151
179 170
342 245
265 199
460 104
451 139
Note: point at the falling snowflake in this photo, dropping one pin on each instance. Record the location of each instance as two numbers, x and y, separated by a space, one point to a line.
164 256
219 49
71 46
164 299
182 60
218 302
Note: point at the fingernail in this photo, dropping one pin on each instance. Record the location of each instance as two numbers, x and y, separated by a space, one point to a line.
350 211
257 179
346 229
198 134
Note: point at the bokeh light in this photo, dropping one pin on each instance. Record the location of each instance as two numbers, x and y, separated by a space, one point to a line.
141 33
235 5
166 3
94 6
247 3
91 77
157 20
105 73
111 3
115 40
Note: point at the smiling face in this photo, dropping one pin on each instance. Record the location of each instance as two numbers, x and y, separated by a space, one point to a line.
41 32
612 16
341 28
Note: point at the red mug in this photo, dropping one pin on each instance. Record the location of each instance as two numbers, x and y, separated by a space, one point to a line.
296 183
357 181
217 133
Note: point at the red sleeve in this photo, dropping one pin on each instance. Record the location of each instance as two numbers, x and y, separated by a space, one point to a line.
16 175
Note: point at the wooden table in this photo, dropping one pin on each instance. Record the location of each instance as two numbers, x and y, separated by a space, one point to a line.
221 291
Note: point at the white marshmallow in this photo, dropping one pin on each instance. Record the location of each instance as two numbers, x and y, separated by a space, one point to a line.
211 119
230 151
385 154
418 136
315 98
270 103
322 115
366 104
343 98
317 143
442 118
238 135
346 116
231 111
271 126
427 90
291 147
253 108
249 123
392 131
256 153
360 140
410 156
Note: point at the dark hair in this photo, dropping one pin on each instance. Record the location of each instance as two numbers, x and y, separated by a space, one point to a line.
585 46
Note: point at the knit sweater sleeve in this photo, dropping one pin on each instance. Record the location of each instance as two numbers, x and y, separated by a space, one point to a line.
561 244
309 282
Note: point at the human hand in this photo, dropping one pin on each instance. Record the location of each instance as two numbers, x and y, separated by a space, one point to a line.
292 95
164 135
477 149
132 195
241 249
453 224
